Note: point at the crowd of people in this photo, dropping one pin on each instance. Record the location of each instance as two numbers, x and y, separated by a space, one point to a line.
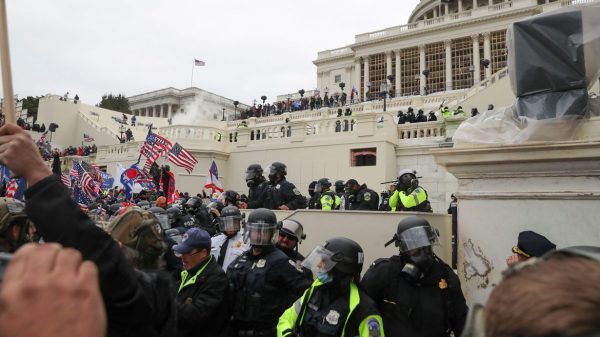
190 268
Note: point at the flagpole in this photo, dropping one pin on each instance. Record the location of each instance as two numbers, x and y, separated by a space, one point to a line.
149 130
9 102
193 65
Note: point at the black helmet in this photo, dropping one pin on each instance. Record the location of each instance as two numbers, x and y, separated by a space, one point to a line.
410 109
421 111
173 214
194 202
414 232
261 227
293 228
347 253
490 107
143 204
254 175
339 186
157 210
322 184
277 168
166 168
311 188
407 180
230 219
162 217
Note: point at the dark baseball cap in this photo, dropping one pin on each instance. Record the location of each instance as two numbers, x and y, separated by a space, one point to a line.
532 244
194 238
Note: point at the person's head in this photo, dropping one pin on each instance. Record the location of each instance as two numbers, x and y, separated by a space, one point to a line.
311 188
166 168
529 244
338 258
15 228
322 185
385 193
254 175
143 195
420 112
556 295
415 238
193 203
161 202
230 220
339 186
261 228
231 197
194 247
277 172
410 109
407 180
290 234
352 186
173 214
490 107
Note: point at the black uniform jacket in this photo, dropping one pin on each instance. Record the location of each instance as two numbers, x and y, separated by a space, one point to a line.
431 307
59 219
201 306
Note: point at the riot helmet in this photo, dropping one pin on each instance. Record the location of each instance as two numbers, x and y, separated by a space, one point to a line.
407 180
144 204
254 175
351 186
276 171
339 186
231 197
293 228
162 217
12 213
193 203
415 237
322 184
338 254
311 188
230 219
261 228
173 214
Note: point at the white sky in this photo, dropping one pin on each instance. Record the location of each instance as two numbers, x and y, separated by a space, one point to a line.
251 48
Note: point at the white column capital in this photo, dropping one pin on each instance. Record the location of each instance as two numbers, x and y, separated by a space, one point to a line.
486 35
475 37
447 43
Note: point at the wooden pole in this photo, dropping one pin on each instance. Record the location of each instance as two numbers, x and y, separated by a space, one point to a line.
9 101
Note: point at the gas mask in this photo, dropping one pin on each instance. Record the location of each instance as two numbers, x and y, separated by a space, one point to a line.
417 264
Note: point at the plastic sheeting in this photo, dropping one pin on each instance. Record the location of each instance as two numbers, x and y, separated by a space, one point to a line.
553 60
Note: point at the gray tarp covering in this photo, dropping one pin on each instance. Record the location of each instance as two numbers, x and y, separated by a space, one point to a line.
553 60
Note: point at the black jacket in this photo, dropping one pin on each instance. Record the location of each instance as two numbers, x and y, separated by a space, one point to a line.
430 307
257 195
284 193
201 306
59 219
365 199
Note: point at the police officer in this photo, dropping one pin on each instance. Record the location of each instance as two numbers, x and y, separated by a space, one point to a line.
361 197
421 116
228 245
334 305
314 197
339 191
415 291
459 111
263 281
385 200
15 228
410 116
282 194
401 117
291 235
409 196
199 216
445 112
257 186
432 117
328 200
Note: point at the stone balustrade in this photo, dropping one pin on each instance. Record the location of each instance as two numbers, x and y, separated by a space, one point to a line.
430 130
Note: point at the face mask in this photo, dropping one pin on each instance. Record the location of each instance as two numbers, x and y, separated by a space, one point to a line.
250 183
324 277
412 271
423 260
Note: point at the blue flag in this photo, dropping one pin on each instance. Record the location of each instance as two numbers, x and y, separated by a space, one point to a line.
107 180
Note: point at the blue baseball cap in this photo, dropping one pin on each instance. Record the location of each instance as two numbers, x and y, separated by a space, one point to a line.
192 239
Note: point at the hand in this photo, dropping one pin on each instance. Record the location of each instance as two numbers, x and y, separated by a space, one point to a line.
215 212
49 291
514 259
20 154
284 208
242 205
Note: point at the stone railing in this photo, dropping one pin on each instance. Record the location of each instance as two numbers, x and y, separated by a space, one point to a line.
335 52
412 131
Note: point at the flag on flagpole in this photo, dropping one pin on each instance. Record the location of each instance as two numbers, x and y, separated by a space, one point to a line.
16 188
87 138
199 63
66 179
155 145
212 180
182 158
89 186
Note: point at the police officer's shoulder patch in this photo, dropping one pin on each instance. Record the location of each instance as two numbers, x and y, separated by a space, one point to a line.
296 191
374 328
367 196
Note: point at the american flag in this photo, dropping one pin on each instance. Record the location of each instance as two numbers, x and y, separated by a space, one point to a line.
66 179
16 188
81 199
182 158
155 145
212 180
149 163
87 138
93 170
199 63
86 182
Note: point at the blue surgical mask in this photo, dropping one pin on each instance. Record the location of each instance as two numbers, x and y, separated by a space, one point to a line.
324 277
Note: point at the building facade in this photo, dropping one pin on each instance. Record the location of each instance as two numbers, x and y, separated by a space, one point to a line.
442 48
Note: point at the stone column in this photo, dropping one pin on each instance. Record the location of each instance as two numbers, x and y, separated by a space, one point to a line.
398 73
448 45
422 65
460 9
169 111
366 74
487 53
356 80
489 2
476 73
158 110
435 12
446 9
474 4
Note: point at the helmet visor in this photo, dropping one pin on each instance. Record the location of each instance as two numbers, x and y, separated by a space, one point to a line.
260 234
417 237
164 221
250 175
318 188
320 260
229 224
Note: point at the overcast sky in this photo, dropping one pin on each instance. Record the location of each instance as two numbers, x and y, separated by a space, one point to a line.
251 48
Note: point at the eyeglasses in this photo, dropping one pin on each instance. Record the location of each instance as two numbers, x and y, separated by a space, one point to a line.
287 236
188 254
